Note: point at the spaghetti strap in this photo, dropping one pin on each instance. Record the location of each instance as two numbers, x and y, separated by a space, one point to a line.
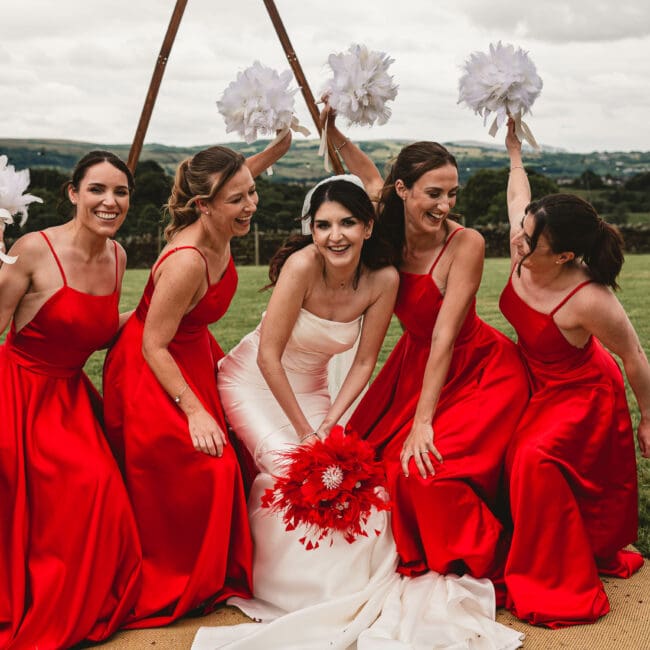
570 294
180 248
444 248
116 265
58 262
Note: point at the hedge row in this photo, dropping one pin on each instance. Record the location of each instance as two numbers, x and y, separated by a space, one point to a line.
142 250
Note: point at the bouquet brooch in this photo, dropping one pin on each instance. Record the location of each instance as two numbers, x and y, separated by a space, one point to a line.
503 81
328 487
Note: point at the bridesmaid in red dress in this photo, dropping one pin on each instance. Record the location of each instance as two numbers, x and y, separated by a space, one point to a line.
571 464
162 410
69 551
444 406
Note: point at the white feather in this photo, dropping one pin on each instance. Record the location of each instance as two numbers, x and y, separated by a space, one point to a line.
13 201
361 85
258 102
503 81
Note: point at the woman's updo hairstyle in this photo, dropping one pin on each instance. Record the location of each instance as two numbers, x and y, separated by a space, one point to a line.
199 178
571 224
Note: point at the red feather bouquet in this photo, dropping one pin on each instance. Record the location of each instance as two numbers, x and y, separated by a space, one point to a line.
330 486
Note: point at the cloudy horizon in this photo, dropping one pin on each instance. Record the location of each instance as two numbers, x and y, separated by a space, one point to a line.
80 70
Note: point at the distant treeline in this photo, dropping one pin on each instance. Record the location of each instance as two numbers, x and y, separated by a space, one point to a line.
482 203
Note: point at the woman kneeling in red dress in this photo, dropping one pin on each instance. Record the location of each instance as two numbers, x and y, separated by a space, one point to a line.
571 465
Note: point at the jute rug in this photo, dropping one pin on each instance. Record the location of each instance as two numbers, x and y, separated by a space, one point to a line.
626 627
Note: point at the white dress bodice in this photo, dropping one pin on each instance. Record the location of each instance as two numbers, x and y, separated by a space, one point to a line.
251 409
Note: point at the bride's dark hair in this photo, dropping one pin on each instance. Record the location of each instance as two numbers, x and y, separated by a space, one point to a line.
375 253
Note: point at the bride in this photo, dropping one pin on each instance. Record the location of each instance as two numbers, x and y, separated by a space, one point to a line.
330 289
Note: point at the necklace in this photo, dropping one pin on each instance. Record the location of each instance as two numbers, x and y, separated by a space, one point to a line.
341 285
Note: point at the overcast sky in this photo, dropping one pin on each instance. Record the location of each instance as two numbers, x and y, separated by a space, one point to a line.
80 69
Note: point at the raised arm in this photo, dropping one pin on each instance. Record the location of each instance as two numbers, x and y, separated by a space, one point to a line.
281 316
178 287
375 324
463 282
268 157
355 160
518 194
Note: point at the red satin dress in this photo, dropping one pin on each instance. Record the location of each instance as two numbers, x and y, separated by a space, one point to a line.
571 470
446 523
69 550
190 507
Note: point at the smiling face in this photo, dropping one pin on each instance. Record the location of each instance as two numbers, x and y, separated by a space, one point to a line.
101 199
338 234
232 209
428 202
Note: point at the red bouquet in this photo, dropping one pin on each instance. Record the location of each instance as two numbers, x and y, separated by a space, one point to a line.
330 486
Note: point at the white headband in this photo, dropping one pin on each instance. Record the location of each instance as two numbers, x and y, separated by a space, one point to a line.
350 178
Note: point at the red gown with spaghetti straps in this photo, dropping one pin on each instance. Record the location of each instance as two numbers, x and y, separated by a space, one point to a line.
447 522
572 477
190 507
69 551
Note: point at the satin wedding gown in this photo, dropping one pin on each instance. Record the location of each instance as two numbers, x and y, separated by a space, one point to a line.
341 595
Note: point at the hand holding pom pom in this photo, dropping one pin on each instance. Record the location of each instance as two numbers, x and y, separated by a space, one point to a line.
13 201
503 81
328 486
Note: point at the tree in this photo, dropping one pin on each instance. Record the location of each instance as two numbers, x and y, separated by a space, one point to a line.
483 199
589 180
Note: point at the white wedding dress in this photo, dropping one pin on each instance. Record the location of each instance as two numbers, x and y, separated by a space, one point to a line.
343 595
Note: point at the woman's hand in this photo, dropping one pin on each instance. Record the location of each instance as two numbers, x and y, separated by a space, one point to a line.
513 144
327 114
419 445
206 434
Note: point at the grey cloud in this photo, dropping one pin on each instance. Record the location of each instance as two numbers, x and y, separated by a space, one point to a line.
561 21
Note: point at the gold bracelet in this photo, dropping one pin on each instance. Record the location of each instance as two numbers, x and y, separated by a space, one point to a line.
177 398
337 149
518 167
311 433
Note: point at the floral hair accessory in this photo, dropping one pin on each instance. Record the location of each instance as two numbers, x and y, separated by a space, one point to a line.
503 81
329 487
13 201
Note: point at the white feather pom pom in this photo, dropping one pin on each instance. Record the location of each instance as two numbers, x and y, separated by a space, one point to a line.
258 102
504 82
361 85
13 201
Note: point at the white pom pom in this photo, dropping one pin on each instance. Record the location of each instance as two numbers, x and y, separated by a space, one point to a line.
258 102
503 81
361 85
12 186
